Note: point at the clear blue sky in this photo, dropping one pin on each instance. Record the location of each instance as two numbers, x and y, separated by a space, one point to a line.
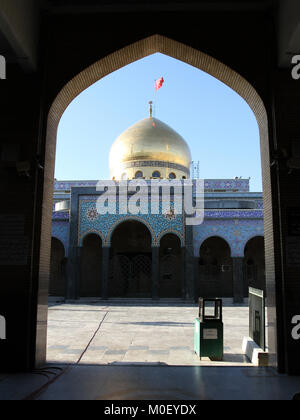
218 125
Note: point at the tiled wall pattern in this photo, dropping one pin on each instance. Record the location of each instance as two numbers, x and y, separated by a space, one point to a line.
105 224
236 232
237 227
240 185
61 231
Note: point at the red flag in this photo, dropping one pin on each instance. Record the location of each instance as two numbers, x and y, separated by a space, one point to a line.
159 83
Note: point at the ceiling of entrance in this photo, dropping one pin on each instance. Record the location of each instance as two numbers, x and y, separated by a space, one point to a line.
19 25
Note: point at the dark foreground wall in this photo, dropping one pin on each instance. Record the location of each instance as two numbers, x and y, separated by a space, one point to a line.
70 43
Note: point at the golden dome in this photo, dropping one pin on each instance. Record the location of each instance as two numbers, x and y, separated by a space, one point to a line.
149 145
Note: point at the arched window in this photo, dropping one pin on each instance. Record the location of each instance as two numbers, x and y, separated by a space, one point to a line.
124 176
156 174
139 174
172 175
184 177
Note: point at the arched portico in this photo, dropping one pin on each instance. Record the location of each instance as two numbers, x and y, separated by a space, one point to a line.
218 237
172 233
91 232
122 220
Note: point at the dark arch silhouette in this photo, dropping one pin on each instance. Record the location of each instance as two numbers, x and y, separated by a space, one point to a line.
214 275
57 269
91 266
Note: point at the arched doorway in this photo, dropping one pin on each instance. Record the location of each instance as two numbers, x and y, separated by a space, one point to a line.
57 269
170 265
255 264
116 60
91 265
215 269
130 262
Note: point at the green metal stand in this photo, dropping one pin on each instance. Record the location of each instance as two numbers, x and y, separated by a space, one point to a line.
209 339
209 330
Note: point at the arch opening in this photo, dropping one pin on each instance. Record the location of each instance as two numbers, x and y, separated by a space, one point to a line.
215 269
119 59
130 270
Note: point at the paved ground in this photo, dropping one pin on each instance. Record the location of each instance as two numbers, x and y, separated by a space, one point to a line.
154 383
114 333
160 383
122 352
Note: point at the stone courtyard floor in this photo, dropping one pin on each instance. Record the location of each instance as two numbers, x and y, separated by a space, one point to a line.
117 351
123 333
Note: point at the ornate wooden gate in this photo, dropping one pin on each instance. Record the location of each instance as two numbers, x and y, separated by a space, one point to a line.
141 276
130 277
119 271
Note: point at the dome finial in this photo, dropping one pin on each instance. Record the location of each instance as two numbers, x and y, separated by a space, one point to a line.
150 103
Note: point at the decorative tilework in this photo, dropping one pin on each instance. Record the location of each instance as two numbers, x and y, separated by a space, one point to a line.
236 232
92 214
235 226
60 216
61 231
105 224
234 214
241 185
67 185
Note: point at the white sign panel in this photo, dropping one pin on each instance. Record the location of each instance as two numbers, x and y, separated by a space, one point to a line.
210 334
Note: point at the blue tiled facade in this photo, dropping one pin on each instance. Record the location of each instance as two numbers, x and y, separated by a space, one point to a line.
61 231
105 225
235 231
231 212
235 226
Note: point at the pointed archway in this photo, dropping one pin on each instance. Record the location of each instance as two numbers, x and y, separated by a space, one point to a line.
115 61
